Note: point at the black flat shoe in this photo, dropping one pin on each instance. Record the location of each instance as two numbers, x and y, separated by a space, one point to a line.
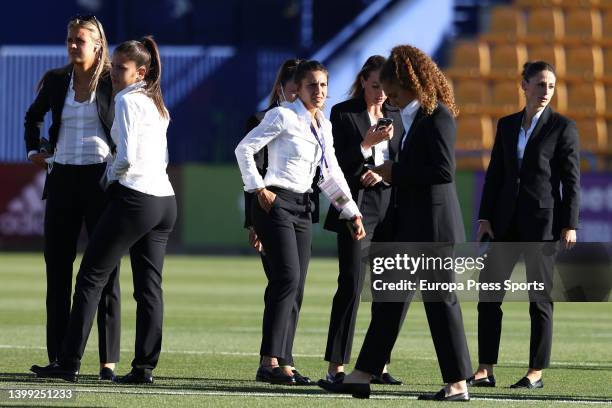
106 374
300 379
275 376
356 390
337 378
135 377
481 382
441 396
385 378
54 370
525 383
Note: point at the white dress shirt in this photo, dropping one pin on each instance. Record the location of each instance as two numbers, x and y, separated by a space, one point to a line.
293 153
381 149
523 137
81 138
408 114
139 132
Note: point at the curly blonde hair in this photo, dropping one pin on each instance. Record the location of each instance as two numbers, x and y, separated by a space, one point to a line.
416 71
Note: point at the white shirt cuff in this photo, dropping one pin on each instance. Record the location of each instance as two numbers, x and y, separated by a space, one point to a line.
32 152
251 184
367 153
350 211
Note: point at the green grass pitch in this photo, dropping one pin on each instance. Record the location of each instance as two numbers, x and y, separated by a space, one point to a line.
212 327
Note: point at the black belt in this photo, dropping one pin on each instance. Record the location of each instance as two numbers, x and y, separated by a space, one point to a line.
292 201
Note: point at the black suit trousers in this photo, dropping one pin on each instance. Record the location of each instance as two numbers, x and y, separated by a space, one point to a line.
445 324
351 275
73 196
140 223
286 235
539 264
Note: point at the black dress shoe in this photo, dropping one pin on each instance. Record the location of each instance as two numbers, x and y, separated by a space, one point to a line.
385 378
481 382
525 383
55 370
106 374
337 378
300 379
135 377
441 396
356 390
275 376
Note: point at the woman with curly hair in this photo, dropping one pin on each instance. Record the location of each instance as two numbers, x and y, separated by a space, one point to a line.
425 209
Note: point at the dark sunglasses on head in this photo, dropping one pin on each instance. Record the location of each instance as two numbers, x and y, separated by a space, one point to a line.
86 17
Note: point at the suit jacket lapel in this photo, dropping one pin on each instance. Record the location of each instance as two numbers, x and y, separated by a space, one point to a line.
542 128
415 123
361 118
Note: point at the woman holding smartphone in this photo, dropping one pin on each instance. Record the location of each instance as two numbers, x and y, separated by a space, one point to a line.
79 97
139 217
299 140
366 131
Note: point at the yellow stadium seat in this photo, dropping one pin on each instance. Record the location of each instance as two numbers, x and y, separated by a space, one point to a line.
471 93
592 133
474 140
507 60
507 23
507 97
559 100
586 99
536 3
585 62
470 58
607 57
583 24
545 24
553 54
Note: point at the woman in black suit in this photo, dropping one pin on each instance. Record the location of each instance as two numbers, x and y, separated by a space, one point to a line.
358 142
79 96
283 90
425 209
531 194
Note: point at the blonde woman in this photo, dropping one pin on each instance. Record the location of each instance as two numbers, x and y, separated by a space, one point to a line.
79 98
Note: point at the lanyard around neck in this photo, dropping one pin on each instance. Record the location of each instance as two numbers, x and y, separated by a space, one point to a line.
314 132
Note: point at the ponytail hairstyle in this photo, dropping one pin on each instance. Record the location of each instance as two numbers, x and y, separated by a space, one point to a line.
146 53
414 70
285 74
94 26
372 64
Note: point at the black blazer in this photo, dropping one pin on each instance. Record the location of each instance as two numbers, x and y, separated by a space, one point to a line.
261 161
426 206
51 95
544 194
350 122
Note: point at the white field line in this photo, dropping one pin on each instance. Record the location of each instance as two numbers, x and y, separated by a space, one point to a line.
250 354
299 395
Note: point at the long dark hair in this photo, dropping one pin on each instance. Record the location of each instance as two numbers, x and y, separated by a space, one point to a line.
374 63
285 74
146 53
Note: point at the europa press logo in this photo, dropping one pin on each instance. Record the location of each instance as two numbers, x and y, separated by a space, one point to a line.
24 213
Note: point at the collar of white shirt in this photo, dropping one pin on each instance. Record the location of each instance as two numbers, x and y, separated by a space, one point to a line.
303 113
534 120
409 112
134 87
71 91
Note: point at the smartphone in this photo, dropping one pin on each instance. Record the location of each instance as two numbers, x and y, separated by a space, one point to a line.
383 122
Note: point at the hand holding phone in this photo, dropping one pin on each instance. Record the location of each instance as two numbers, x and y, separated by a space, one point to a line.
383 122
